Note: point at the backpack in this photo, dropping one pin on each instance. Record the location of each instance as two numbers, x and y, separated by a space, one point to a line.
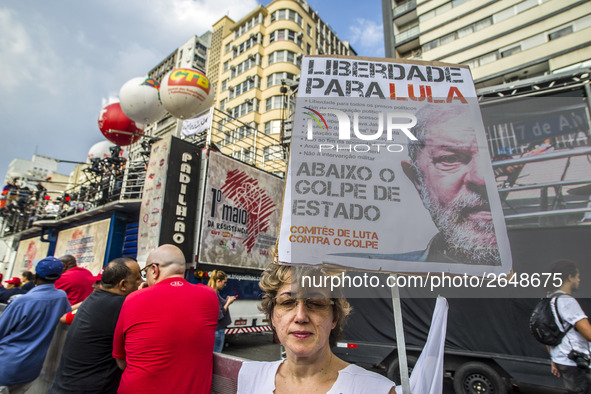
543 325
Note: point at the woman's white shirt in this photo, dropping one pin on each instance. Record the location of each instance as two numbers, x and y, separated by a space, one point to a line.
259 377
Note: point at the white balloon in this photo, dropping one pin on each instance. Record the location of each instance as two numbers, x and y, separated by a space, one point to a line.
186 92
140 100
101 150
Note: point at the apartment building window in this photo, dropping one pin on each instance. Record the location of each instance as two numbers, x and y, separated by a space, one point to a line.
248 106
560 33
244 154
274 102
510 51
223 104
284 56
272 152
224 84
199 59
440 41
474 27
252 22
285 34
273 127
286 14
309 30
277 78
246 45
242 132
250 83
308 49
244 66
226 66
441 9
482 60
515 9
228 47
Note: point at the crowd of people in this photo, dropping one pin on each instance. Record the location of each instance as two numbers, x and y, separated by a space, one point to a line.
149 330
145 330
21 204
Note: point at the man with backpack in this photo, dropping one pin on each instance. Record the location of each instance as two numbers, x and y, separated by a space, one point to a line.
570 357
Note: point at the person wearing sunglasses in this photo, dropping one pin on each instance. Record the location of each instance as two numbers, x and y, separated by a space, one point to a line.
308 324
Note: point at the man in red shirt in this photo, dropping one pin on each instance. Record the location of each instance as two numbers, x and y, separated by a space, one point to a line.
76 281
165 332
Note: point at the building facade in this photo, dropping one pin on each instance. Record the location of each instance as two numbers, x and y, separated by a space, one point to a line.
502 41
252 64
255 67
29 172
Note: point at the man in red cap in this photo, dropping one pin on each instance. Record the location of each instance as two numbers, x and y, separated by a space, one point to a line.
12 288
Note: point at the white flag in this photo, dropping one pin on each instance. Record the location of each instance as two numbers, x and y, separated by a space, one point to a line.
427 374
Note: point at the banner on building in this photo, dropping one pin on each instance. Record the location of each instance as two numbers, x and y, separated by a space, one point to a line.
167 215
87 243
389 170
153 200
180 199
28 251
241 212
196 125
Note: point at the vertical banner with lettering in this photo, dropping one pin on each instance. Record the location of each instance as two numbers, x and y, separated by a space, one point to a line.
153 199
389 170
241 209
180 199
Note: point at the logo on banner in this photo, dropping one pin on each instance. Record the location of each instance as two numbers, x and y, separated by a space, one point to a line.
253 206
390 123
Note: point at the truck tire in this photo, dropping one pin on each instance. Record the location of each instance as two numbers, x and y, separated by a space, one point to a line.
478 378
393 370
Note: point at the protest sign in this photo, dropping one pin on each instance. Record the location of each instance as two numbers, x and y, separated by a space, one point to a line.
87 243
28 251
240 214
389 170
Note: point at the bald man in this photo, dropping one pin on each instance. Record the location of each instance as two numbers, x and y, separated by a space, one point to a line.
165 333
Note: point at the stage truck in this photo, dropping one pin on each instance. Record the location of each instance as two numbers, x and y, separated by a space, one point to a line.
540 143
223 214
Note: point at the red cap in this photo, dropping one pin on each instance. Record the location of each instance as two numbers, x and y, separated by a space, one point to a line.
14 281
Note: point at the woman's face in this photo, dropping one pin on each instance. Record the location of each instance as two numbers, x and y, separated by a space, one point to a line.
303 332
220 284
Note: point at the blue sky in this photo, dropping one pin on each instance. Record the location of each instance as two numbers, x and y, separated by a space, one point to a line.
61 61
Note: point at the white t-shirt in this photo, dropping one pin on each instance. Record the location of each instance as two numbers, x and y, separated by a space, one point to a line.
570 311
259 377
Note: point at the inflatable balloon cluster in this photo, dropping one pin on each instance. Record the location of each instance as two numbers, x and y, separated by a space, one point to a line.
183 93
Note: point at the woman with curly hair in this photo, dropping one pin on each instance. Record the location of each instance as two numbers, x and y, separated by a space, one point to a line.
308 325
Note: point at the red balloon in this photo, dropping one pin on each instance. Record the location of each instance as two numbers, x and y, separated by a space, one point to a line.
117 127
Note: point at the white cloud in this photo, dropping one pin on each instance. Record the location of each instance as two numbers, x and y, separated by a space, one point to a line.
368 36
14 45
61 64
